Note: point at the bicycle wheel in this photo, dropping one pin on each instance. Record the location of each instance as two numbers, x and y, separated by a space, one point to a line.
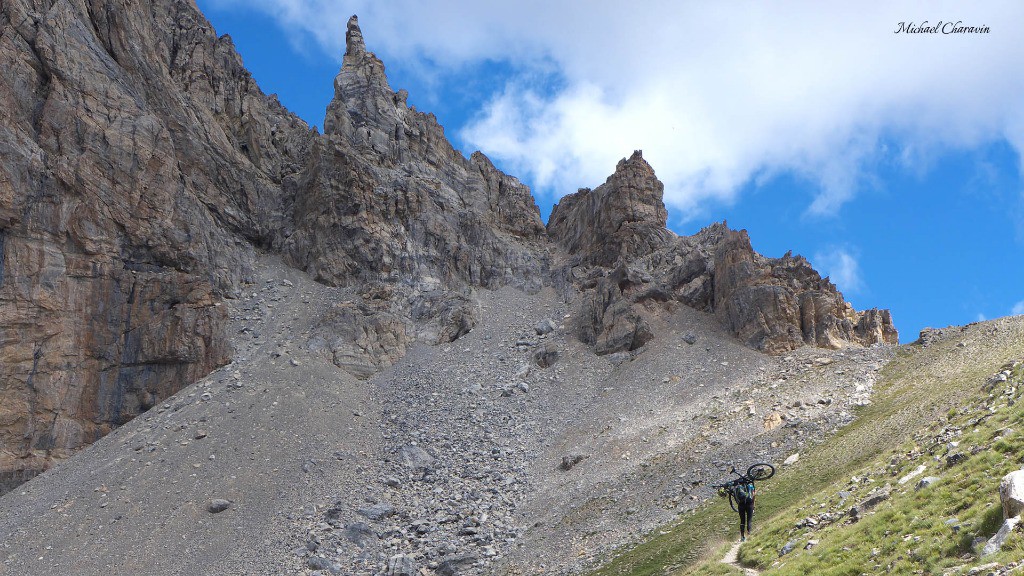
761 471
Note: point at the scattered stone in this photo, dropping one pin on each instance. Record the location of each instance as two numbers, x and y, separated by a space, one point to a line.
546 356
217 505
401 565
995 544
571 460
788 547
875 499
455 565
793 459
690 338
359 533
917 472
987 569
772 421
619 358
955 458
318 563
377 511
926 482
545 326
416 457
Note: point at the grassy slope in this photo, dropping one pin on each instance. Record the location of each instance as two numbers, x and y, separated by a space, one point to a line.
918 388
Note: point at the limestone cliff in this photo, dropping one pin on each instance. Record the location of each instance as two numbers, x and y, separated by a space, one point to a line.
129 205
141 167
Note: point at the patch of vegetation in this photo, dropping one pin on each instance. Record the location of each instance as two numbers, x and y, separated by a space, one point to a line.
922 391
926 530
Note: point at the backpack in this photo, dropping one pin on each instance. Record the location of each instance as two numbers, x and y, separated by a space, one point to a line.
744 492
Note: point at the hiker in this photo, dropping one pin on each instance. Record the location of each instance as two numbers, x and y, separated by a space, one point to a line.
744 492
741 493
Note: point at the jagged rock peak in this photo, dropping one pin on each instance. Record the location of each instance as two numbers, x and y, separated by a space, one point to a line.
354 43
362 95
634 164
624 217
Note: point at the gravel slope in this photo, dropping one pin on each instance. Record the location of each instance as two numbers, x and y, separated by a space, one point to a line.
450 462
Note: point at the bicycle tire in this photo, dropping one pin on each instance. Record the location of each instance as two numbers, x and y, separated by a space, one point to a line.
761 471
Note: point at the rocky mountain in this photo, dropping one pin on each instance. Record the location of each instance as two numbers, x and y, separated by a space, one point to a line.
146 182
625 262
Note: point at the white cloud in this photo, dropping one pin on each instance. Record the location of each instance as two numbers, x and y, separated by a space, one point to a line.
980 317
841 266
714 93
1018 308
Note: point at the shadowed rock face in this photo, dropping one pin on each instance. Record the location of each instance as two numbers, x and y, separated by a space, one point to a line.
128 206
141 168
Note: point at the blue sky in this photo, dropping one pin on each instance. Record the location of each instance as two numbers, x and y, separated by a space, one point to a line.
891 161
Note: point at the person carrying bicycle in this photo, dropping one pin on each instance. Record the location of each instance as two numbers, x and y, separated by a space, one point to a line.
745 492
742 492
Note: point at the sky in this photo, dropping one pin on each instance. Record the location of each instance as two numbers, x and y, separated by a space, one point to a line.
882 141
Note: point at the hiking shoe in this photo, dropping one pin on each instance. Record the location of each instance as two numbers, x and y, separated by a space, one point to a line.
743 538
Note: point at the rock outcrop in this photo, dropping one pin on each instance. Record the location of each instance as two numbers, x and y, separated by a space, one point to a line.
628 266
624 218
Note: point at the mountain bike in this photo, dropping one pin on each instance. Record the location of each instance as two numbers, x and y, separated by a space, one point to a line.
756 472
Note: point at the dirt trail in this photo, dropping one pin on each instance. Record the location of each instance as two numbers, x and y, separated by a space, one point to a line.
732 557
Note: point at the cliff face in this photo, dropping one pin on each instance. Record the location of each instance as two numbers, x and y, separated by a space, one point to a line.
629 266
141 169
127 209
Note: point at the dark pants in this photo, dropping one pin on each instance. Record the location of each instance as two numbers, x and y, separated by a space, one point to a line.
746 516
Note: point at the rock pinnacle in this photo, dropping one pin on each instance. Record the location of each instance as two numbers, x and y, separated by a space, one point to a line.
354 37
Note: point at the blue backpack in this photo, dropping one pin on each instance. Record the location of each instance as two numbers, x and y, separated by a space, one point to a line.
744 492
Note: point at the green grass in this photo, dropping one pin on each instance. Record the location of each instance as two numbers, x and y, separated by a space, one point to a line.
922 386
908 534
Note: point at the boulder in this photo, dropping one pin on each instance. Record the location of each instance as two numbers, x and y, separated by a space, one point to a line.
1011 494
995 543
